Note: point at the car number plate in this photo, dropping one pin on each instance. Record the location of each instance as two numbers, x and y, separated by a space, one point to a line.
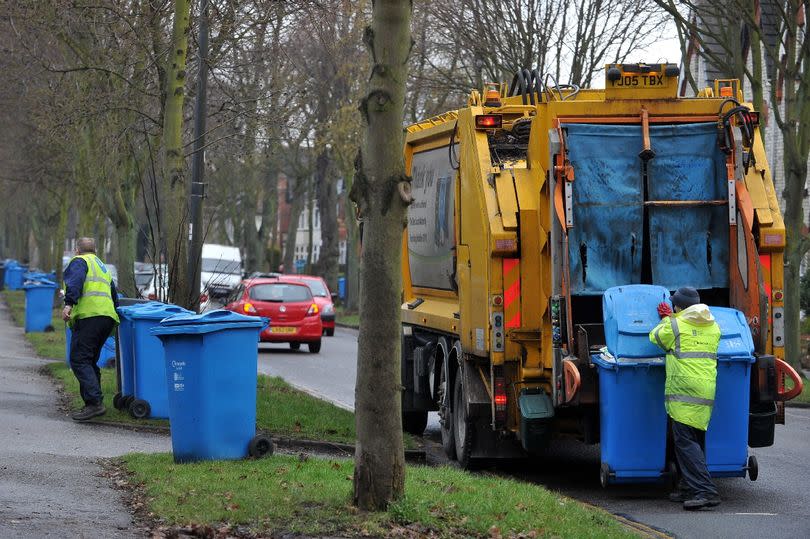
282 330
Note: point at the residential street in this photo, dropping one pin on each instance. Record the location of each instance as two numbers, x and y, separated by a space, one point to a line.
776 505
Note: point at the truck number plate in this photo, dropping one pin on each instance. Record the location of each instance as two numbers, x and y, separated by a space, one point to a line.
641 81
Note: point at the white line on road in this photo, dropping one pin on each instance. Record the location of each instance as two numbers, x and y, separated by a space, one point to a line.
758 514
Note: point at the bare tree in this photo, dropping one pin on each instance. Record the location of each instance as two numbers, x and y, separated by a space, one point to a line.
780 33
382 193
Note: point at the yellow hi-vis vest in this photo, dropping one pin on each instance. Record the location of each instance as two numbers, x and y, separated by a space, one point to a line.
691 368
96 298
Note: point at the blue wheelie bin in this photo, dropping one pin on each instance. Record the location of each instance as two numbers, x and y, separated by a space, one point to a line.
106 355
211 361
727 435
147 368
14 276
125 373
39 305
633 420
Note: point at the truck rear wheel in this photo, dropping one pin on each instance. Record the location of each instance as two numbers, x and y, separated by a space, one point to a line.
446 416
414 422
463 428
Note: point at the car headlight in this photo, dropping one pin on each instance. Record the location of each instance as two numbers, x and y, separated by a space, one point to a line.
328 308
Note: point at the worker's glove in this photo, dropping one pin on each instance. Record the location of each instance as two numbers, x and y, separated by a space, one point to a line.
664 309
66 312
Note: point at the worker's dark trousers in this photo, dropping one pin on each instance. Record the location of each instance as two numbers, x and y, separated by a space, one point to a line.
86 342
690 451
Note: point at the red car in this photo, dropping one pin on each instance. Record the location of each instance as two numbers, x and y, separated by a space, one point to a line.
294 314
323 298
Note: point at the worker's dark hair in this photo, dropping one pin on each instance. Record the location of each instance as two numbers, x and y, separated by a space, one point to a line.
685 296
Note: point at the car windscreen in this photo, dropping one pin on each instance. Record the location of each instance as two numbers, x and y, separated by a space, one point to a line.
142 279
281 292
217 265
318 289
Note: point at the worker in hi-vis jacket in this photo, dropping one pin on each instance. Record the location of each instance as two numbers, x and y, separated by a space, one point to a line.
690 337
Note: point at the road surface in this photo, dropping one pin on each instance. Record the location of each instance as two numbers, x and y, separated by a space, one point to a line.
776 505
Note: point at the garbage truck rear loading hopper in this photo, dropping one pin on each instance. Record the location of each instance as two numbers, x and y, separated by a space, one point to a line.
527 207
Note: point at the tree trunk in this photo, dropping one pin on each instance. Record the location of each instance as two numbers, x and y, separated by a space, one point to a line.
352 299
175 204
795 249
327 206
382 192
299 192
310 229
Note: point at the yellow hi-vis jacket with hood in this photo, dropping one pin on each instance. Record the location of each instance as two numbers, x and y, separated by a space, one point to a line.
690 339
96 298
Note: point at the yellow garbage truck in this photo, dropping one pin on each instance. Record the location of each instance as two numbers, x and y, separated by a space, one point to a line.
533 200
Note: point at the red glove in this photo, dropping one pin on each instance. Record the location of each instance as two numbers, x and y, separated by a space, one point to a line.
664 309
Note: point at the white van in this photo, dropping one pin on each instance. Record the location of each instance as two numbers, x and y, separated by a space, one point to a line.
221 270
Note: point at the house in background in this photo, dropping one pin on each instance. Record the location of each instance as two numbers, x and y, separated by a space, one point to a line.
303 234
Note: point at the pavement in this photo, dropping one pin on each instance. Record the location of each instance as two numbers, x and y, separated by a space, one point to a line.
776 505
51 482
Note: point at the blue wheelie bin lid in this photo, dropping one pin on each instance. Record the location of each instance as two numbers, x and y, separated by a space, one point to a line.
156 311
208 322
736 342
42 283
127 310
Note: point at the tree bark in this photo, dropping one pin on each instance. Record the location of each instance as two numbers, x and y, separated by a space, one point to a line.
327 206
382 192
352 299
175 203
299 188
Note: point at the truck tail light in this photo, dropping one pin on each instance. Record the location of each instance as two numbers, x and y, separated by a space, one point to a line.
313 310
499 394
488 121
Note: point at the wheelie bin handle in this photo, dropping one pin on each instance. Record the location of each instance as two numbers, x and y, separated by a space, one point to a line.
783 368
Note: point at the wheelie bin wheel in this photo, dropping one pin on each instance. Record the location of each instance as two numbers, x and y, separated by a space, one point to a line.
604 474
260 446
140 409
118 401
753 468
126 401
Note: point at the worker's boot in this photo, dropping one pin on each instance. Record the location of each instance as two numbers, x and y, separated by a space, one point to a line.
679 496
88 412
701 501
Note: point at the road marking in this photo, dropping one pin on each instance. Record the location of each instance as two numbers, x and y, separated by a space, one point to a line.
759 514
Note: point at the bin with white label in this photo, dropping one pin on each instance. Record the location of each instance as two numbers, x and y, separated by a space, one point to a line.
211 361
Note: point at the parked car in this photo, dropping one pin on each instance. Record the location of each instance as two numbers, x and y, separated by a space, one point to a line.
323 298
220 271
157 287
288 303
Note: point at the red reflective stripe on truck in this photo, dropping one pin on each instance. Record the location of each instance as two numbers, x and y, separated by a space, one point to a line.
765 261
511 292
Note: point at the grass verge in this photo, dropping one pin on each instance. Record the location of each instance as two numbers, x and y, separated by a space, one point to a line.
312 497
281 409
804 396
347 318
50 344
